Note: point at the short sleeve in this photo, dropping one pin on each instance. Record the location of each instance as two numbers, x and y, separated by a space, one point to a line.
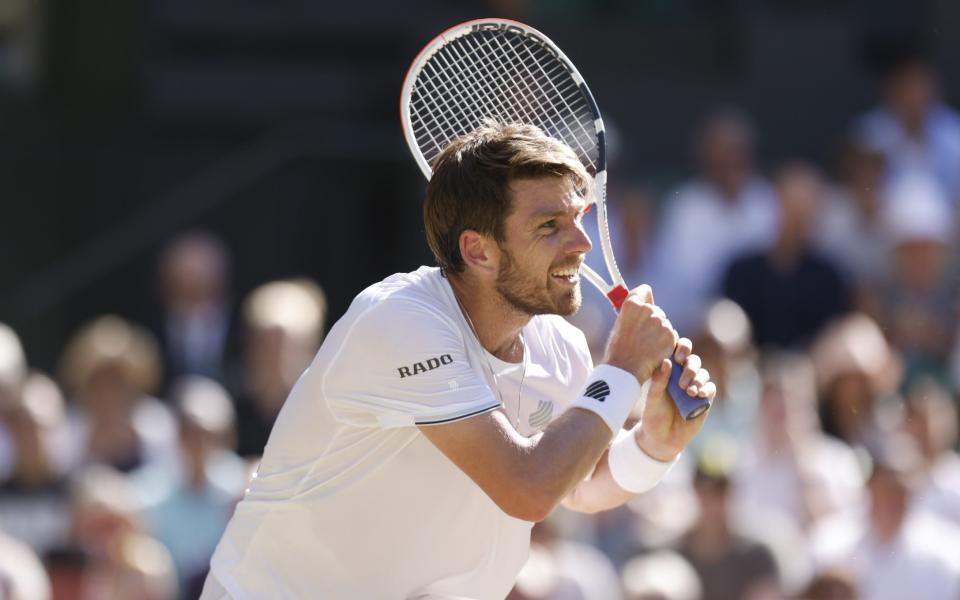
403 363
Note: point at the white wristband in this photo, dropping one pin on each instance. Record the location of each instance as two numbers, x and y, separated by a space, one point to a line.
610 393
632 468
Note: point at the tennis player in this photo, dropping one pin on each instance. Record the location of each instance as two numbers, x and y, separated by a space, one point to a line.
452 407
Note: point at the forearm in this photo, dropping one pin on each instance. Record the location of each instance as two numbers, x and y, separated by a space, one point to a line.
598 493
603 492
560 458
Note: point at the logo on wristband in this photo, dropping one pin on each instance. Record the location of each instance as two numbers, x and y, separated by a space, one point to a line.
598 390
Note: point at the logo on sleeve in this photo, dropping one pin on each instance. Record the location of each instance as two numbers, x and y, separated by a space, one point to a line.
424 366
598 390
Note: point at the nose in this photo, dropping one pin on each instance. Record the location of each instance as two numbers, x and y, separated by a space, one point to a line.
580 242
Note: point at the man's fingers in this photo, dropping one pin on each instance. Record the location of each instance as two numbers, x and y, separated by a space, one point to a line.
660 379
690 368
684 349
709 390
701 379
643 292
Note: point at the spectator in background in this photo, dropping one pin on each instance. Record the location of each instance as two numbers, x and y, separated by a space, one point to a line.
563 569
283 326
916 301
830 585
795 470
187 510
727 210
914 130
195 324
724 343
930 418
897 550
857 371
22 576
789 291
850 230
124 562
661 575
729 564
34 497
111 366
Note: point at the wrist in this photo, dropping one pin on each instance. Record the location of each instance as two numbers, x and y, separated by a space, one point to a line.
653 448
632 468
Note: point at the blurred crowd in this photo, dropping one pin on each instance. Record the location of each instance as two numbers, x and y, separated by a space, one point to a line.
824 307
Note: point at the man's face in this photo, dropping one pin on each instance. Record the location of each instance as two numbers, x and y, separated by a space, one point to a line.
543 248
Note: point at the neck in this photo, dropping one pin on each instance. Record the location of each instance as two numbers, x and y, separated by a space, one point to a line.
496 323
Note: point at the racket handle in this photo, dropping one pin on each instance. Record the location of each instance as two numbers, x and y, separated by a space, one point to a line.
690 407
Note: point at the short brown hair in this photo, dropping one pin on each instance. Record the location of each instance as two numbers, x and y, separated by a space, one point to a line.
469 188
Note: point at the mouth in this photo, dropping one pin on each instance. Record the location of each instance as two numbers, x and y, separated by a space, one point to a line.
567 275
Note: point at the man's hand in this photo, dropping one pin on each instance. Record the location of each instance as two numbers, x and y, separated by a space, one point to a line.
642 338
663 433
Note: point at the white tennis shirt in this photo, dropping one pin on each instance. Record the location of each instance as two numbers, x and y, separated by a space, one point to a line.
350 500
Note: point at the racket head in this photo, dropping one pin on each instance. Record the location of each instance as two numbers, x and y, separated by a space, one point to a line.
503 70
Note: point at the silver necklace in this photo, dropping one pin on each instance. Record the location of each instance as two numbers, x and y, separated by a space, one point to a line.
486 359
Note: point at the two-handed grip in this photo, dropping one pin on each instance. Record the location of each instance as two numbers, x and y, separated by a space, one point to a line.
690 407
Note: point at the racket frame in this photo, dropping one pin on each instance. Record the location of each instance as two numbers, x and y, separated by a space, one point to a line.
616 292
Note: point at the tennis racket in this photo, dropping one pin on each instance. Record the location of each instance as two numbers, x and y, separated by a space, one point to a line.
502 69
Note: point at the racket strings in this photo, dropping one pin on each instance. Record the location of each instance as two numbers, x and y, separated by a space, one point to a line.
552 106
481 76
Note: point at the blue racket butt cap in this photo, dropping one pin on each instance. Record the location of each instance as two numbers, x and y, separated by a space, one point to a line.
690 407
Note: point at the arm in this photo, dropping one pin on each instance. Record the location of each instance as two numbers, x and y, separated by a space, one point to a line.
661 434
528 477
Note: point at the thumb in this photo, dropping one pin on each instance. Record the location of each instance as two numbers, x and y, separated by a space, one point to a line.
660 379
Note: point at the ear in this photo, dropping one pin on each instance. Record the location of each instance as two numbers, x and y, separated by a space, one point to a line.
479 252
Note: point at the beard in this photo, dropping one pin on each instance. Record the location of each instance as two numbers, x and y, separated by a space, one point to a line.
531 295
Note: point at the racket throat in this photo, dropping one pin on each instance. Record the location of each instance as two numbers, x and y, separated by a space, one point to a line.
618 295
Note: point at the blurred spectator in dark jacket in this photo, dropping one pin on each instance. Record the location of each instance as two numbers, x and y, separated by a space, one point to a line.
283 326
916 301
195 324
789 291
110 366
188 509
913 128
857 373
725 211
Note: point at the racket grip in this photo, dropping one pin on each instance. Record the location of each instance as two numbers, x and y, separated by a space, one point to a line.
690 407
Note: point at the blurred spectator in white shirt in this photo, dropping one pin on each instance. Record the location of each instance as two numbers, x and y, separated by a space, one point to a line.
794 469
111 366
661 575
897 549
22 576
912 127
930 418
704 224
34 497
916 301
850 229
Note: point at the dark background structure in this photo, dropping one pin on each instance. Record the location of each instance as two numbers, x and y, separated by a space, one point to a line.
275 124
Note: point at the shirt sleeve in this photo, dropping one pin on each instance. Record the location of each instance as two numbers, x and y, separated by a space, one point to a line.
403 364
